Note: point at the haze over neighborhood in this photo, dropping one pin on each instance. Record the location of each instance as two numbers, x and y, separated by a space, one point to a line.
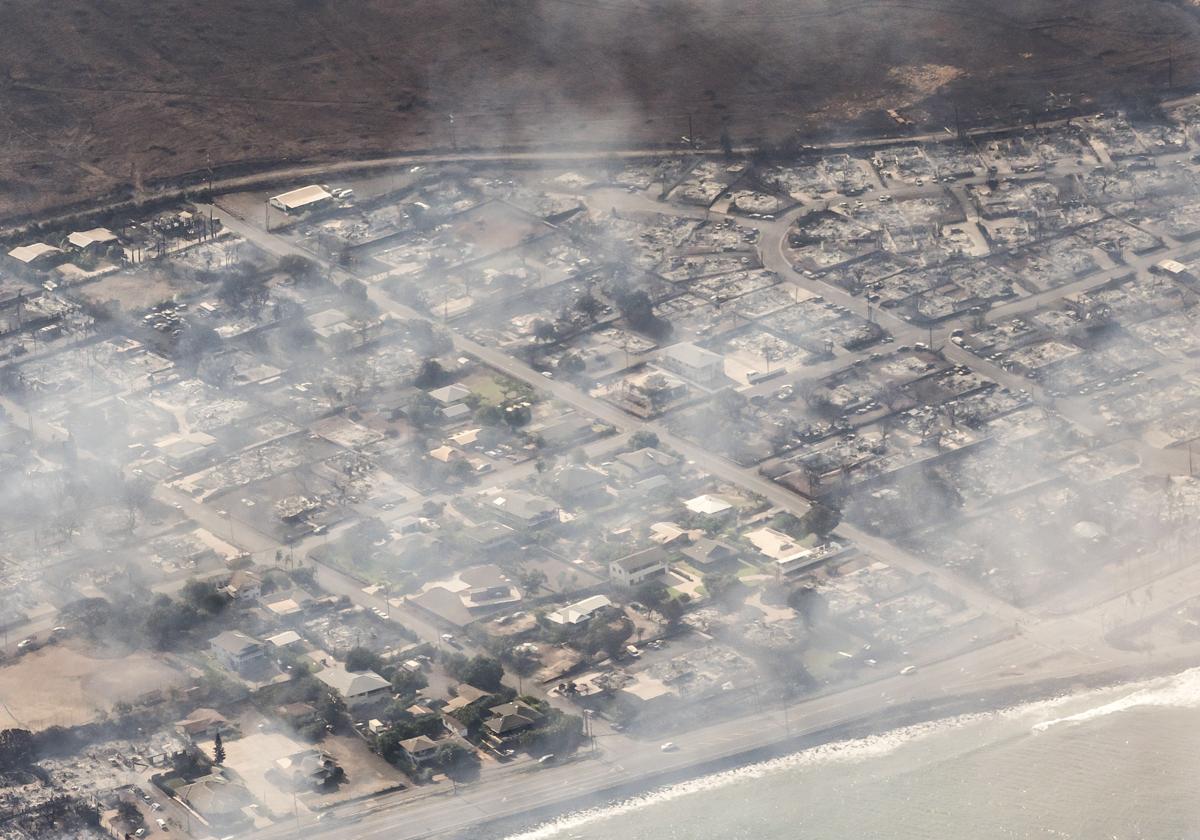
558 418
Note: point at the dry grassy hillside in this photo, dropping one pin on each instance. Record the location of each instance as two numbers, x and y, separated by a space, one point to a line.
97 95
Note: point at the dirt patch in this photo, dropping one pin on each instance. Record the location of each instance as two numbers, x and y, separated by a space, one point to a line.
926 79
59 686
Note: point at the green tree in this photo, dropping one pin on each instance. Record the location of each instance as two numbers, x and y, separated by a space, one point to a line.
544 331
480 671
643 440
406 682
532 580
453 757
300 269
720 584
651 593
810 604
589 305
820 520
607 637
203 595
361 659
218 750
431 374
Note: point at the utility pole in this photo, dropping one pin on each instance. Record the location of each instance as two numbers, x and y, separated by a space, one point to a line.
453 137
208 163
1170 63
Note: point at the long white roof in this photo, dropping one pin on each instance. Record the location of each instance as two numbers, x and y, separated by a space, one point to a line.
301 197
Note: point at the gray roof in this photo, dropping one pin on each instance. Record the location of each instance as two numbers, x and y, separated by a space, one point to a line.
646 459
450 394
352 683
524 505
510 717
235 643
644 559
690 355
705 550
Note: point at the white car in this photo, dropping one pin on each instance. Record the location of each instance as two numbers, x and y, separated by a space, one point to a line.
907 670
670 746
162 824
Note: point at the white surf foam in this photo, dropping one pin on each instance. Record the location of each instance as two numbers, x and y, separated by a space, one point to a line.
1179 691
860 749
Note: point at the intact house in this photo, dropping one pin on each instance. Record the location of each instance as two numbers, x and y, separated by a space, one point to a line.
92 241
357 688
466 695
204 723
631 570
791 558
298 715
244 585
708 505
237 651
579 612
577 484
450 395
526 510
707 553
641 464
37 256
420 749
451 401
506 723
695 363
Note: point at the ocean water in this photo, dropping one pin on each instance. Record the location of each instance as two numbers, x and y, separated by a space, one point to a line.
1120 762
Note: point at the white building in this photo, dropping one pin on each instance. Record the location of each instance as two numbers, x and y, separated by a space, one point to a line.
696 363
304 198
631 570
580 611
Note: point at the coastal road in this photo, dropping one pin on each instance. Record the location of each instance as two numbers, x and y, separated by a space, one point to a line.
981 677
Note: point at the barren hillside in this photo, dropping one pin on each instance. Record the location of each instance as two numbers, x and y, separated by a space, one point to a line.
96 96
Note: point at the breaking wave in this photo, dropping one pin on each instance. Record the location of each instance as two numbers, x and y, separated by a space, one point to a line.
1179 691
859 749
